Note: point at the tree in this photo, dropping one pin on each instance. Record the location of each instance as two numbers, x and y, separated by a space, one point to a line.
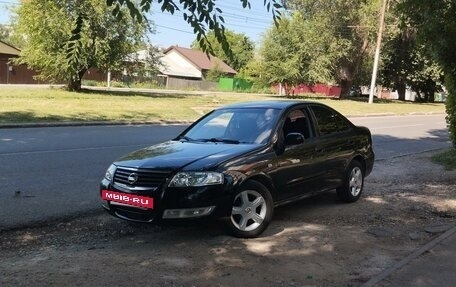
103 40
435 23
241 48
8 36
350 24
4 33
296 51
214 74
145 63
407 63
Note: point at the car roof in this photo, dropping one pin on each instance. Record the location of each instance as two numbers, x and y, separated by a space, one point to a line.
273 104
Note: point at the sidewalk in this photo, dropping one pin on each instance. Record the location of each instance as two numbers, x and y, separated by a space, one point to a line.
432 265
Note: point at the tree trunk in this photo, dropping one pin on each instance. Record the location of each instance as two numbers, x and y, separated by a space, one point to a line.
431 91
345 85
401 88
75 83
351 68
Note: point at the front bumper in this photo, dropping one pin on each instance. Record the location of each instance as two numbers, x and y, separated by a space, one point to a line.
172 202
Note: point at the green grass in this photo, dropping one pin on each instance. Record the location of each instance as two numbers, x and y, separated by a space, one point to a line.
446 158
32 105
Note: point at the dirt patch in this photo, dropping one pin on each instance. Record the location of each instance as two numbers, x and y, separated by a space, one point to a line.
315 242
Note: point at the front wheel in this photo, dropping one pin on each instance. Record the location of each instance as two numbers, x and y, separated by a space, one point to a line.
252 210
353 184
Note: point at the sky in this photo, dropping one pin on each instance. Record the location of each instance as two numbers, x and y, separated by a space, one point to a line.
173 30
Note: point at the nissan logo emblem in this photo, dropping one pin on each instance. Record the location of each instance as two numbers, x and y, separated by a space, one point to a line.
132 178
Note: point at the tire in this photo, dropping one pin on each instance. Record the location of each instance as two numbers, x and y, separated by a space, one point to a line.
251 211
353 185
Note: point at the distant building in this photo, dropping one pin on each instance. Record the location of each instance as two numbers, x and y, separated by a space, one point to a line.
181 68
185 63
11 73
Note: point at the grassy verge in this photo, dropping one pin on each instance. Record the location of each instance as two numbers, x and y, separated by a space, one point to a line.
446 158
31 105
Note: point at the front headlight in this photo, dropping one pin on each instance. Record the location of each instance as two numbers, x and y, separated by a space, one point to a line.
185 179
110 172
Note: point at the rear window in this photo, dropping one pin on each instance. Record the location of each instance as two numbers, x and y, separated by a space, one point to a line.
328 121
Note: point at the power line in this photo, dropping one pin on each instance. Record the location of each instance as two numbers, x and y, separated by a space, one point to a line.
226 16
238 8
174 29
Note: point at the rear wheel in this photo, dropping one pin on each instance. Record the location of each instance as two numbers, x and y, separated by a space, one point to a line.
252 210
353 184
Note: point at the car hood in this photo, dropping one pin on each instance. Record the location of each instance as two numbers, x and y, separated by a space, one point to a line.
174 155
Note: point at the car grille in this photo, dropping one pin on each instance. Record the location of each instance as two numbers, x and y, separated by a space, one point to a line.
134 214
145 178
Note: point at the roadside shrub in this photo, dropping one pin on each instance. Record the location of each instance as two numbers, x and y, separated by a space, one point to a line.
450 106
446 158
89 83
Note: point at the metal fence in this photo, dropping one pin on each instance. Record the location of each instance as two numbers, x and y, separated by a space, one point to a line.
181 84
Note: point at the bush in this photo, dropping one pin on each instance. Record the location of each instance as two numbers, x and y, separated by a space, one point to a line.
450 105
89 83
447 159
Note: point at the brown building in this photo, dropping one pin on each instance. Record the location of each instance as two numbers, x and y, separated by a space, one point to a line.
11 73
21 74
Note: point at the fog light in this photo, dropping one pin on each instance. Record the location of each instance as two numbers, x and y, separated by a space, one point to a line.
187 212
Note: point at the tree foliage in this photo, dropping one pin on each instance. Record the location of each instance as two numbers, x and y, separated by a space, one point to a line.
350 24
8 36
144 63
406 63
241 48
214 74
102 42
296 51
435 23
4 33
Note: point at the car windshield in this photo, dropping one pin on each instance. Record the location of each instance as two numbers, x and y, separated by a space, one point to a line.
233 126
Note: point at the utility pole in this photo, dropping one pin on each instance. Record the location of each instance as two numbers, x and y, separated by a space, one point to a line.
377 52
109 78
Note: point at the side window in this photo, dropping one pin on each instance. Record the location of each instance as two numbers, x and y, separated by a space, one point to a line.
329 121
297 122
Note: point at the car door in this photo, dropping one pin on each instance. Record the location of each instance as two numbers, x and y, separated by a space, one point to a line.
335 146
294 173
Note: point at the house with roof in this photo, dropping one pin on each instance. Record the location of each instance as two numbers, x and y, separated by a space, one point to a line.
189 64
9 72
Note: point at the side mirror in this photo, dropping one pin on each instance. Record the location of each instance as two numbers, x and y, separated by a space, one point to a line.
294 139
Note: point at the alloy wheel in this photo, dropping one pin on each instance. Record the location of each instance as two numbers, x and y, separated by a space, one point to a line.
356 181
249 210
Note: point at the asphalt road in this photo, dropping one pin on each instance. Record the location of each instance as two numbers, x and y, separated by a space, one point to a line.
50 173
401 135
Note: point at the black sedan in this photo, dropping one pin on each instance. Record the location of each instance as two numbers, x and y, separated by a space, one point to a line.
239 162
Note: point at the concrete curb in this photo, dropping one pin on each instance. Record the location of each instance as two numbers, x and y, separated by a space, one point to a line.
82 124
395 115
387 272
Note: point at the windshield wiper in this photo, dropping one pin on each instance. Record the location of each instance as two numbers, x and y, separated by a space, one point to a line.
186 138
221 140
